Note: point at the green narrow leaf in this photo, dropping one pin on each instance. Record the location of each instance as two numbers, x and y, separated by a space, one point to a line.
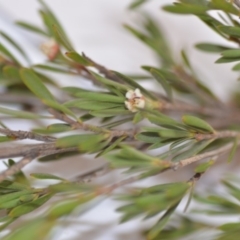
37 229
158 227
163 82
28 197
11 72
233 150
185 59
8 54
197 123
29 207
102 97
232 31
230 226
137 4
112 112
135 85
227 59
54 21
236 67
164 121
109 83
111 146
46 176
52 68
225 6
233 53
78 58
66 207
53 128
58 156
60 37
13 43
11 204
170 133
21 182
14 195
76 140
91 105
31 28
60 107
20 114
138 117
148 137
203 167
196 148
186 9
211 47
34 83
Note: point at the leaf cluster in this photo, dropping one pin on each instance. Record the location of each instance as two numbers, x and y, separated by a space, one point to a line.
183 121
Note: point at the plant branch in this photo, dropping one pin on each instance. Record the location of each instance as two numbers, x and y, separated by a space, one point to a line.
26 135
216 135
87 127
103 70
43 149
94 173
18 166
21 99
199 157
114 186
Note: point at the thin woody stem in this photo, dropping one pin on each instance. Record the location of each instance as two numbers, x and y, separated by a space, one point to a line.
114 186
43 149
220 114
94 173
17 166
87 127
103 70
199 157
26 135
217 135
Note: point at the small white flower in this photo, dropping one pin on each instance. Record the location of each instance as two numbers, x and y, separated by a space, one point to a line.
50 48
135 100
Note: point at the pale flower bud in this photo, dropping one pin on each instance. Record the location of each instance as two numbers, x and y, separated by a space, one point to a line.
50 48
135 100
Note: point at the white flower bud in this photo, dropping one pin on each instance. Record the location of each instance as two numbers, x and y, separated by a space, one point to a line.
50 48
135 100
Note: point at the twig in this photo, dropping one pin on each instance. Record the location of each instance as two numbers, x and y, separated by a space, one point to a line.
216 135
43 149
26 135
90 175
103 70
18 166
21 99
199 157
111 188
87 127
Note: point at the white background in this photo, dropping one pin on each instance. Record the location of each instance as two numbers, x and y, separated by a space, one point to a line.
95 27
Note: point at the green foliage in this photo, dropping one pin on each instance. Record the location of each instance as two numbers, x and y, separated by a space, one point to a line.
181 120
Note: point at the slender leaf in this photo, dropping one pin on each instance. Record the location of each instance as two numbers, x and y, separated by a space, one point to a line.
34 83
31 28
78 58
13 43
197 123
164 83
